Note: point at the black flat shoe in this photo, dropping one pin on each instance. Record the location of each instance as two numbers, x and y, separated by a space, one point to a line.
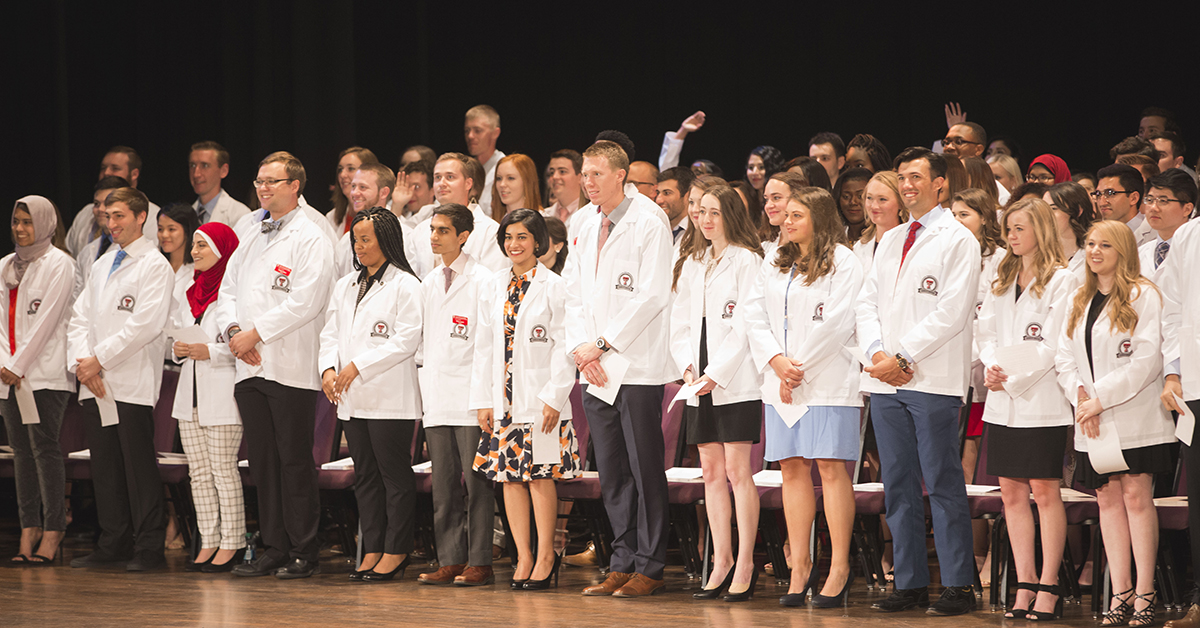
748 594
544 583
195 567
374 576
712 594
822 601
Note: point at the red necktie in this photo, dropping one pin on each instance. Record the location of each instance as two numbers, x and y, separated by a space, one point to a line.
908 242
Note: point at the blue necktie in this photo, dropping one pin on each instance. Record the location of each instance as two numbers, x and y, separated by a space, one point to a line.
1160 252
121 255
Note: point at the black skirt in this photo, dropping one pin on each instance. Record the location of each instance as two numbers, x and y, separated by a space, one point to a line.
1151 459
1026 452
730 423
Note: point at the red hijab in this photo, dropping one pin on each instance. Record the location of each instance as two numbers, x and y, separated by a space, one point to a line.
206 283
1055 165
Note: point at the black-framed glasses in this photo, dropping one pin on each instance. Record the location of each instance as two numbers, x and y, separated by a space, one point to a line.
958 141
269 183
1109 193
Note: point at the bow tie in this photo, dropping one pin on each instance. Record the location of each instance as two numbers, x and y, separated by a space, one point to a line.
271 225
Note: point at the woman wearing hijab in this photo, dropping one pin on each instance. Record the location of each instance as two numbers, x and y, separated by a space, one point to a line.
35 299
1048 170
209 424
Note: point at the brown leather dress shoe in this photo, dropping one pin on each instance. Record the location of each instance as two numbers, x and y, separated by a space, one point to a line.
1191 620
444 575
640 585
475 576
614 581
586 558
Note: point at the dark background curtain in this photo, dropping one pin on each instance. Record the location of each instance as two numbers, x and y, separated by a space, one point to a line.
316 77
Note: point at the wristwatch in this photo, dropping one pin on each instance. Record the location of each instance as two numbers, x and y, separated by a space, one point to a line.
601 345
902 362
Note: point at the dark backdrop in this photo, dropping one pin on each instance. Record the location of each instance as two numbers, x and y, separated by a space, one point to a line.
315 77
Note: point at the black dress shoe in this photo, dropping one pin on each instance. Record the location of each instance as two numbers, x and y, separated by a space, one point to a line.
357 575
224 567
300 568
264 565
374 576
954 601
904 599
99 558
146 561
197 567
544 583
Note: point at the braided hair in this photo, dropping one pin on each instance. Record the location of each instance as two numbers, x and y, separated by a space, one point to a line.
389 234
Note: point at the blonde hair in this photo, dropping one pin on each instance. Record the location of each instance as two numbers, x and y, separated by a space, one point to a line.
1122 317
692 243
1048 257
1008 164
892 181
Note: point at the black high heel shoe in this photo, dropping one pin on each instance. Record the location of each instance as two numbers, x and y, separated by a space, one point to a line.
1022 613
225 567
748 594
195 567
712 594
544 583
822 601
799 599
375 576
1058 606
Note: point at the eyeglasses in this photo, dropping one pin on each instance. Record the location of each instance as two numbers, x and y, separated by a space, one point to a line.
1151 201
269 183
1109 193
958 141
1039 178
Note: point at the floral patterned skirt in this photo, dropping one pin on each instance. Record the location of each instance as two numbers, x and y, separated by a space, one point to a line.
506 454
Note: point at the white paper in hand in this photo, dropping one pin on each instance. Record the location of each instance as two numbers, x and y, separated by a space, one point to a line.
189 335
546 448
1183 428
1104 451
686 392
615 366
1019 361
26 404
108 408
789 412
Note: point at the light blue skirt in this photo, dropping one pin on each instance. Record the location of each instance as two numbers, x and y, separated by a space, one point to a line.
824 432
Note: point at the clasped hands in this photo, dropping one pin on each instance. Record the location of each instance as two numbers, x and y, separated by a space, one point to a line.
886 369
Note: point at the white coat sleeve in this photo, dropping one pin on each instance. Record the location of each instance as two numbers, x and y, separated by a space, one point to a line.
757 321
830 335
483 373
77 330
145 323
226 303
406 334
651 300
681 328
327 355
987 331
1145 365
1170 283
732 352
55 305
955 304
576 329
869 330
308 298
668 156
1066 363
557 391
490 254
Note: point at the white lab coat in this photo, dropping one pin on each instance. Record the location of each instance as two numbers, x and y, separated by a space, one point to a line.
865 253
213 377
281 288
927 308
1128 373
42 312
182 280
814 324
624 298
228 210
79 235
1031 398
1181 309
542 370
723 299
243 226
1142 231
489 179
119 319
451 327
481 244
1146 259
380 336
991 265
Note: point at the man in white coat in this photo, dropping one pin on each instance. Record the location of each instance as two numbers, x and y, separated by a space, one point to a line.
1169 204
94 249
457 178
451 295
1119 192
115 348
208 165
618 283
271 305
372 187
481 129
914 323
119 161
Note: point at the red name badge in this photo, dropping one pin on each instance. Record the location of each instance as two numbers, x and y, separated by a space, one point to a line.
283 270
460 320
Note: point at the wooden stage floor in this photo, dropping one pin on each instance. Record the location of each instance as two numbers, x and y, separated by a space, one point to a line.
61 596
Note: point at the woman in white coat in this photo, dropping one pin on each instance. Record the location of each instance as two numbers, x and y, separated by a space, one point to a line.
1110 363
36 284
521 385
708 344
210 427
1074 213
692 242
801 323
368 345
1026 411
885 211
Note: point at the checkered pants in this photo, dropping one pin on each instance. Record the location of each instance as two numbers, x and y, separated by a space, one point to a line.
216 485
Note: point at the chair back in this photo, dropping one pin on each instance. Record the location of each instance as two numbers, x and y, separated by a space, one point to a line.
327 433
672 424
165 425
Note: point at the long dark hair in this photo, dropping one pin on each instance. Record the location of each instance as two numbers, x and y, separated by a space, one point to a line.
183 214
389 235
558 233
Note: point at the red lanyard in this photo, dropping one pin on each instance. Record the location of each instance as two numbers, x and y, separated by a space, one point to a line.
12 320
